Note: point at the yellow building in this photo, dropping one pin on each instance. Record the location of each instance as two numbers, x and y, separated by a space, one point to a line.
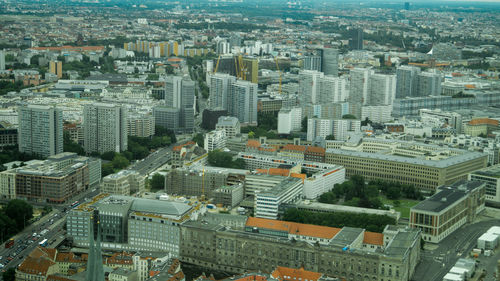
55 67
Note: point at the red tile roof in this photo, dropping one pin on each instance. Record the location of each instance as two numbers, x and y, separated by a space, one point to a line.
293 147
484 121
294 228
286 273
315 149
373 238
253 143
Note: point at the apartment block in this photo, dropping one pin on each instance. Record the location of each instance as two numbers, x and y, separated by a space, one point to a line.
451 207
40 130
105 128
289 120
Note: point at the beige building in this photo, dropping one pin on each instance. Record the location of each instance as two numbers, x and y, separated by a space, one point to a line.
125 182
447 210
421 165
8 184
141 126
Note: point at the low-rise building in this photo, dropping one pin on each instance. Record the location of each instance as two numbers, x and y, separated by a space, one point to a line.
229 195
451 207
231 125
125 182
491 177
267 203
215 140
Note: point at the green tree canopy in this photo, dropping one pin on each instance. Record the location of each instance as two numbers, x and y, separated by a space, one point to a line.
198 138
157 182
20 211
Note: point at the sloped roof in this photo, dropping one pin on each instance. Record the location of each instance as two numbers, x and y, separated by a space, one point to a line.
373 238
294 228
287 273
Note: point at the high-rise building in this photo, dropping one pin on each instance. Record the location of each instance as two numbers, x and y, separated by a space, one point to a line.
167 117
326 127
356 41
331 89
141 125
55 67
179 94
251 69
312 63
407 81
289 120
359 89
242 101
223 47
219 87
308 86
2 60
105 128
330 61
382 89
429 84
407 6
40 130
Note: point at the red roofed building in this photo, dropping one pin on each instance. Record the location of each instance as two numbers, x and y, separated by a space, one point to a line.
315 154
293 151
292 274
481 126
39 264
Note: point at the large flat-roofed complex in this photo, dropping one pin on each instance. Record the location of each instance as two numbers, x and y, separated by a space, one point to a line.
424 166
132 224
267 202
491 177
447 210
348 253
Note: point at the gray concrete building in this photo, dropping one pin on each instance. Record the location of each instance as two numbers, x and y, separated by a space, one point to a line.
407 81
105 128
40 130
242 101
167 117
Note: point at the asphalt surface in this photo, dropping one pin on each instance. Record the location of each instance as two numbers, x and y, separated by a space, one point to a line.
434 264
153 161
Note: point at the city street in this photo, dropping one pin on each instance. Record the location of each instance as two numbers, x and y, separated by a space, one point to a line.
153 161
435 263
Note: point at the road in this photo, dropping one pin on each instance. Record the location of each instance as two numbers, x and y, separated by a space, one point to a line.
434 264
153 161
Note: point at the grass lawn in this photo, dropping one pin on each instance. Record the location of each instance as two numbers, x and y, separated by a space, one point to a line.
404 207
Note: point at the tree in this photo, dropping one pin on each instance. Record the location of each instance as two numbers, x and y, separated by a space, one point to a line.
20 211
348 116
9 274
120 162
330 137
107 169
224 160
198 138
71 146
108 155
157 182
366 122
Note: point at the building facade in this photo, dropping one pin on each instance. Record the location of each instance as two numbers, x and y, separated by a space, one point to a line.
105 128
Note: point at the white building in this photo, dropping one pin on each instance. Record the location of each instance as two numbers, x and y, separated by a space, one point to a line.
309 85
125 182
323 181
331 89
215 139
289 120
267 202
325 127
382 89
231 125
377 113
8 185
105 128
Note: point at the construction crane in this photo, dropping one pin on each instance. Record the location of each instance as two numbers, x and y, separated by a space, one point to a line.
217 65
278 68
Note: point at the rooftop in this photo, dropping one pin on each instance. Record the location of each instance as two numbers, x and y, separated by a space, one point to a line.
287 273
347 236
293 227
492 171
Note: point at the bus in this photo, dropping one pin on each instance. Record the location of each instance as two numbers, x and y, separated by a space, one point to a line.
43 243
75 204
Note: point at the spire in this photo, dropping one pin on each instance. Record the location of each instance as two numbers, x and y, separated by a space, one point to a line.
95 270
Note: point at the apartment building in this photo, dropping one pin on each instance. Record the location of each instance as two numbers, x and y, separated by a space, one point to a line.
421 165
40 130
451 207
141 126
105 128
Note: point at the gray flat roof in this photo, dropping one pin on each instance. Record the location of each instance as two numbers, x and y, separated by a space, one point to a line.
160 207
401 243
346 236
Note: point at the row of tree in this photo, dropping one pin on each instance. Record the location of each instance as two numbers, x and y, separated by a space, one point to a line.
224 160
375 223
14 217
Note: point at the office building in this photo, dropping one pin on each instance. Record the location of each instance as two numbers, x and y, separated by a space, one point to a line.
268 202
407 81
407 6
55 180
55 67
105 128
125 182
312 63
219 89
329 61
382 89
215 140
359 89
480 126
210 117
250 69
242 102
491 177
8 185
424 166
141 125
356 41
40 130
289 120
411 106
448 209
347 253
230 125
429 84
132 224
2 60
167 117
